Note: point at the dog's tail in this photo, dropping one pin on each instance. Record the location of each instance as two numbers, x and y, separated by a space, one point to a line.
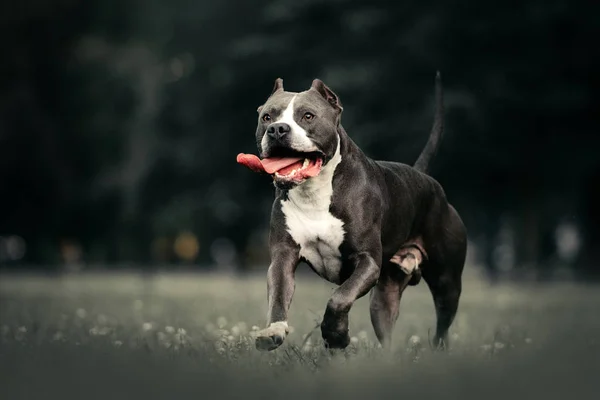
435 137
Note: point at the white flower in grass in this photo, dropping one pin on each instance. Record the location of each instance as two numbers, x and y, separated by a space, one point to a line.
181 336
255 328
242 327
117 343
169 329
354 340
414 341
235 330
221 322
362 335
99 331
147 326
231 338
20 333
81 313
499 345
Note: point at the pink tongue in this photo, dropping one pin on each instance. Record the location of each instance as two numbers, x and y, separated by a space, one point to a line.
274 164
250 161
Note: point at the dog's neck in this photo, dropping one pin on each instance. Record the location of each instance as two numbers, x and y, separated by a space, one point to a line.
351 152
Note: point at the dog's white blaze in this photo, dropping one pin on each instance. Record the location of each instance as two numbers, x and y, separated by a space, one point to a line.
299 140
318 233
263 142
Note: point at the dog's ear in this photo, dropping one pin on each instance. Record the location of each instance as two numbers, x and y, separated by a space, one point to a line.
278 87
327 94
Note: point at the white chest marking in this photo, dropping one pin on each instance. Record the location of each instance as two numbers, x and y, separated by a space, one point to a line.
318 233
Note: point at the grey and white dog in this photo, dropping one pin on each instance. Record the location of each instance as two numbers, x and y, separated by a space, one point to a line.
362 224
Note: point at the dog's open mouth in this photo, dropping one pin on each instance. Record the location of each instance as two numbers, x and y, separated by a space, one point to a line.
293 167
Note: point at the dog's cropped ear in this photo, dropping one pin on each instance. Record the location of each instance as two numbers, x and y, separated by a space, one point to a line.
327 94
278 87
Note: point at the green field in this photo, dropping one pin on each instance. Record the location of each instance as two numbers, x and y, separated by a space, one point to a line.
123 336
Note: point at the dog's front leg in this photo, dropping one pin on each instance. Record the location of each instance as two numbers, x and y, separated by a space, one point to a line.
334 327
280 290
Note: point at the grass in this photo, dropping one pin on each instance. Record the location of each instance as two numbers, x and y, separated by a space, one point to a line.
123 336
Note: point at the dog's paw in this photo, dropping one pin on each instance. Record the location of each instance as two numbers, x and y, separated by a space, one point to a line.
271 337
334 331
335 340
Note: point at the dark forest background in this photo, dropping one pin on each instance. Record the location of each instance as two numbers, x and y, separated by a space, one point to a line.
120 122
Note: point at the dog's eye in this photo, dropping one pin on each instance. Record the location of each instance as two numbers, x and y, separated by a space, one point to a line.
308 116
266 118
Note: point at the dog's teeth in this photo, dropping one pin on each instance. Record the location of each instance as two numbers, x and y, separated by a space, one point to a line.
306 162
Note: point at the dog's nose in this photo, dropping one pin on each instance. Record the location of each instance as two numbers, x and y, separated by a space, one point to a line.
278 130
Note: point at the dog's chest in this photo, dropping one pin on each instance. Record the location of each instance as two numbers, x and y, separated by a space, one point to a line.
318 233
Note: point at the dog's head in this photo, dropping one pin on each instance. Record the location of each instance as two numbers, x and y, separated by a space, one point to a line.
297 133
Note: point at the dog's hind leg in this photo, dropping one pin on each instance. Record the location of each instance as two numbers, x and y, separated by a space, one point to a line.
443 275
446 295
385 302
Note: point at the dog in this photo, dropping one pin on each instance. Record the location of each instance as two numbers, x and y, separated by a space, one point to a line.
362 224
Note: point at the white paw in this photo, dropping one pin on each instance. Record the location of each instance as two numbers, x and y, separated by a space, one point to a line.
271 337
